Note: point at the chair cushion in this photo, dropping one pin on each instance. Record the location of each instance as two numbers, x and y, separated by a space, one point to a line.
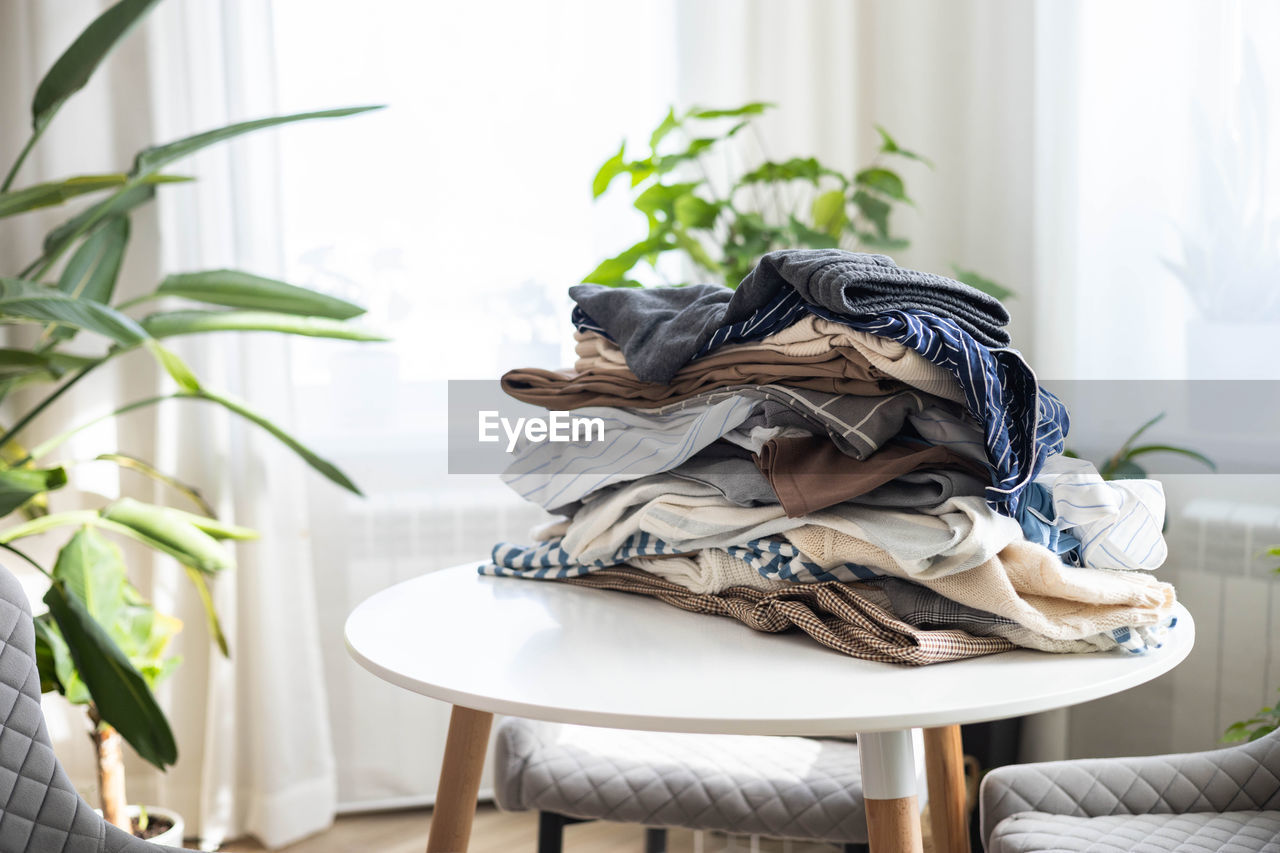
1229 832
782 787
39 807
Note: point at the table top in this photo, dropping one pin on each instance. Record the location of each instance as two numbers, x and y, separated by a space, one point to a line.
553 651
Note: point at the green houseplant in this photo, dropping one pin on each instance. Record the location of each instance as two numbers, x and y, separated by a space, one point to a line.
723 230
1265 721
101 644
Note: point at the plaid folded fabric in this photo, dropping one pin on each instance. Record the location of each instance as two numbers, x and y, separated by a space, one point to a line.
834 614
778 559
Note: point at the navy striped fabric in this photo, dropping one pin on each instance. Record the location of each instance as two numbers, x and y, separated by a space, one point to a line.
1022 423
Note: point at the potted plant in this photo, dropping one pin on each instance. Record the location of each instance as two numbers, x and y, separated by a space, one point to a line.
101 644
787 204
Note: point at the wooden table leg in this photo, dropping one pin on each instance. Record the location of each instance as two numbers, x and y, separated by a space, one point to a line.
460 772
944 764
889 788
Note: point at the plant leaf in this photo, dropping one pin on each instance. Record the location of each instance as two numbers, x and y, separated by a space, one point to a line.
29 301
210 612
1167 448
661 198
888 145
978 282
116 205
20 362
48 641
152 159
77 63
876 243
328 469
167 530
170 323
93 269
753 108
236 289
693 212
803 235
119 691
45 523
669 123
1123 470
795 169
174 366
609 170
884 181
19 485
828 213
876 210
132 463
613 271
93 570
53 193
1128 442
215 528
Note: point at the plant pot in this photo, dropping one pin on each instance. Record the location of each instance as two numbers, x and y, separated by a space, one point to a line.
171 837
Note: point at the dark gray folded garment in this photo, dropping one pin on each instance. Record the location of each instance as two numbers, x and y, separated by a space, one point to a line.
662 329
858 283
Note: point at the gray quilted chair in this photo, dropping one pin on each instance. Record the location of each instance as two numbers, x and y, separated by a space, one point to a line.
39 808
1202 802
778 787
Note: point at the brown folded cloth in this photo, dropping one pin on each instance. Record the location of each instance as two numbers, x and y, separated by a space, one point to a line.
841 370
810 473
835 614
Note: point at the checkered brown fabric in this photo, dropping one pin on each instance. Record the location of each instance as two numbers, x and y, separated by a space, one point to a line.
833 613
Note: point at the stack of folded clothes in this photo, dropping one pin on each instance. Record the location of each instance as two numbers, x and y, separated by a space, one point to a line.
842 446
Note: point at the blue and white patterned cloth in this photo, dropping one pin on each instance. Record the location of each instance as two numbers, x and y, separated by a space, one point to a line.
774 559
1093 522
1022 423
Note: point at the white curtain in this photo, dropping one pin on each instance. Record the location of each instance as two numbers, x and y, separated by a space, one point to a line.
253 731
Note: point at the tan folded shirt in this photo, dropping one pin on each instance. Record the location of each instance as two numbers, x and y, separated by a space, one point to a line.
837 615
808 336
838 370
811 473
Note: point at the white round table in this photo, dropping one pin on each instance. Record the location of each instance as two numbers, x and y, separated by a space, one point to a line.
557 652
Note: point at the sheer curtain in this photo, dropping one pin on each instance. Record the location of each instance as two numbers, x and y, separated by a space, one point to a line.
460 214
253 731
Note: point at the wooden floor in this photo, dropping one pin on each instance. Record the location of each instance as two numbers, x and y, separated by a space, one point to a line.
516 832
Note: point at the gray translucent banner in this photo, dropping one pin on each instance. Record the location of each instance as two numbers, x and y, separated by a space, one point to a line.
1234 423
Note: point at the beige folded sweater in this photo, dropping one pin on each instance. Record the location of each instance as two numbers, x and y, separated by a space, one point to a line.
1024 582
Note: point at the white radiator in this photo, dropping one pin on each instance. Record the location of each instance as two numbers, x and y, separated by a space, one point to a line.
1228 584
389 742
